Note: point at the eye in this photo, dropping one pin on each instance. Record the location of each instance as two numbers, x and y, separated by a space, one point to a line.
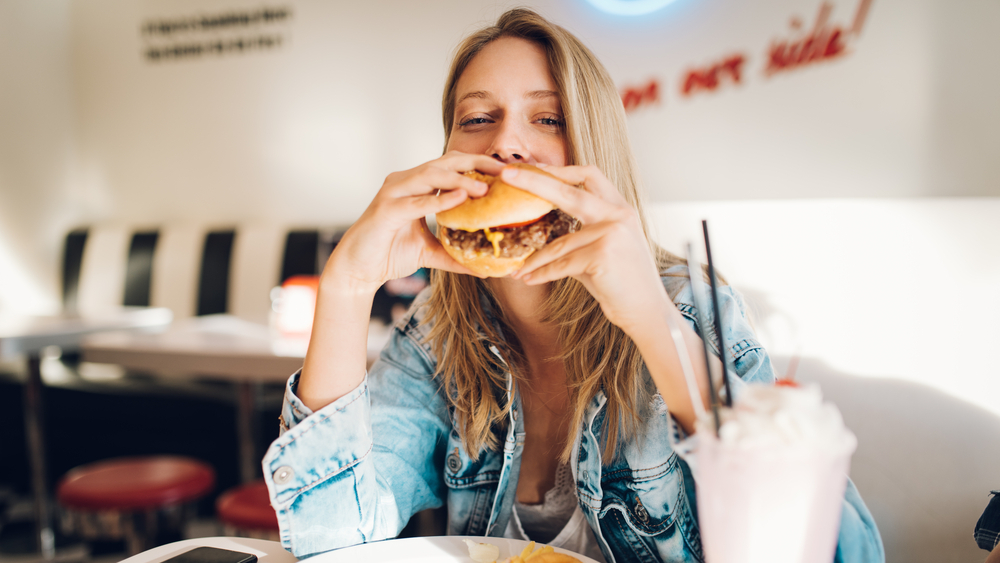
473 121
551 121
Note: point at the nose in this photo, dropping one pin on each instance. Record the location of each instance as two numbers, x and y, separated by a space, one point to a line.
508 145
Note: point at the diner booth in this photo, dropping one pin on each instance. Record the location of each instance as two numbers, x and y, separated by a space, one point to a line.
174 176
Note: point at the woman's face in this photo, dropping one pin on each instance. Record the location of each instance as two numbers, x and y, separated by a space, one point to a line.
507 106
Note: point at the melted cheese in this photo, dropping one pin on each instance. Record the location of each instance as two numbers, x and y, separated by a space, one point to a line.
494 239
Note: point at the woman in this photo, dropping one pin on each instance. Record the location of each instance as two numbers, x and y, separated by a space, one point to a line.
541 405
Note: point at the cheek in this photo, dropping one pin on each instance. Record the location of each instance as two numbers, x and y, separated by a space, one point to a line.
470 144
555 151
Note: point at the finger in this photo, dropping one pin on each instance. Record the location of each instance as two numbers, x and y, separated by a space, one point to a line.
591 177
464 162
439 259
434 256
417 207
432 179
579 203
561 247
579 264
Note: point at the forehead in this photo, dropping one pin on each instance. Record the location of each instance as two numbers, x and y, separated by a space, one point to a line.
508 66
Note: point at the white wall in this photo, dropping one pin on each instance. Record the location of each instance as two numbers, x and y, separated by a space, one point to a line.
307 132
39 199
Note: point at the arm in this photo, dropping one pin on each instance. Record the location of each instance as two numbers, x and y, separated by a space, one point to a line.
610 256
358 468
390 240
349 469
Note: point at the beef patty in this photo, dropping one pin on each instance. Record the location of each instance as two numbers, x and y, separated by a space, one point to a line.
516 241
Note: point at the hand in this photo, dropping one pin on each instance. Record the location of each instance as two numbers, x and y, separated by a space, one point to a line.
609 255
391 238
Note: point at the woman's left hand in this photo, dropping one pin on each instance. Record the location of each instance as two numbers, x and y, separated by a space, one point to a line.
609 255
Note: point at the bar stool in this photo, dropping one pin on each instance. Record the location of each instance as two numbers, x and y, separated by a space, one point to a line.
135 499
246 511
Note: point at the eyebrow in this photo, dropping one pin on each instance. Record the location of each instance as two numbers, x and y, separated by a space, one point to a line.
484 95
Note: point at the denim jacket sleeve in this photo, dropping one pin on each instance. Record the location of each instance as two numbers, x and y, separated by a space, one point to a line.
357 469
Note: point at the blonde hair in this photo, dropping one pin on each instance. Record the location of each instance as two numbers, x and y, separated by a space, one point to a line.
596 354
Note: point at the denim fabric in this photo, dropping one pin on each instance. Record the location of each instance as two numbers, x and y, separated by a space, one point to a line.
357 469
987 532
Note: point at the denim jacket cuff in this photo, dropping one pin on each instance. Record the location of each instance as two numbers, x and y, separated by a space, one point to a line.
300 458
293 410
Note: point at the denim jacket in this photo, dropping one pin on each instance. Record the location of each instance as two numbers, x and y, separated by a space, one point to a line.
357 469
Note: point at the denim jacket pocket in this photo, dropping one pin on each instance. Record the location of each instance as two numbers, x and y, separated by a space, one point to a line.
462 472
648 509
646 513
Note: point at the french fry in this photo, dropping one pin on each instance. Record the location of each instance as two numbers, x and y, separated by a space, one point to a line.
527 550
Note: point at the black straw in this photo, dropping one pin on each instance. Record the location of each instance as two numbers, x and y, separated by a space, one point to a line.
694 274
718 316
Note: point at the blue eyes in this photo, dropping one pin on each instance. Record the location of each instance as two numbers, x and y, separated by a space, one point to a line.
547 121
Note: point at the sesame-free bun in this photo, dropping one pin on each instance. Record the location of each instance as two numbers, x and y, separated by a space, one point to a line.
503 204
484 263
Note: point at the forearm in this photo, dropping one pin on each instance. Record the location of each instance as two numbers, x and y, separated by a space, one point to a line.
664 364
994 556
336 360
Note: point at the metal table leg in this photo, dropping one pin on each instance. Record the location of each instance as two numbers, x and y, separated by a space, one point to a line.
246 428
33 424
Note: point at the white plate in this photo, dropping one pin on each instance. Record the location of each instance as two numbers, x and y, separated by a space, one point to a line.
438 549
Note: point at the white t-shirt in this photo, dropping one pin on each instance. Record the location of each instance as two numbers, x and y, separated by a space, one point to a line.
557 521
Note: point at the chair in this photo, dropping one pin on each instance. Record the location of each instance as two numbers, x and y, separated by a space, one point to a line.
246 511
137 499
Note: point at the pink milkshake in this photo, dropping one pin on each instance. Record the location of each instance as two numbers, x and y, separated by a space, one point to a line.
771 485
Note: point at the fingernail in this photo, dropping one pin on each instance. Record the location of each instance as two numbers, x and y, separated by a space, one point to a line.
515 273
482 185
541 165
510 172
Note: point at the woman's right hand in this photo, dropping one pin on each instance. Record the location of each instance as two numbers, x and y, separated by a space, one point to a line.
391 239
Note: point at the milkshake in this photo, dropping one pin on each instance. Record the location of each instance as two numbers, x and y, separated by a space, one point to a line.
771 485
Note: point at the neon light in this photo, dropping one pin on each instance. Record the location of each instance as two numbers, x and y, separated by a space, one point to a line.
629 7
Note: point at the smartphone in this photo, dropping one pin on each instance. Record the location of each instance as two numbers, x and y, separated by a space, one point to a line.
212 555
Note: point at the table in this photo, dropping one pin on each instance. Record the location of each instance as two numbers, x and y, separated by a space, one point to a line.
214 346
266 551
27 335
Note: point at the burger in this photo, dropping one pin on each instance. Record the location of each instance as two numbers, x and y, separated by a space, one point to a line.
493 235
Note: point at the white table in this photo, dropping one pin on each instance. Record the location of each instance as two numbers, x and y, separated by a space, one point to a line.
214 346
27 336
266 551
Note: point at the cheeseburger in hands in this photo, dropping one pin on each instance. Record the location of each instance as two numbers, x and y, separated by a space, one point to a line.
493 235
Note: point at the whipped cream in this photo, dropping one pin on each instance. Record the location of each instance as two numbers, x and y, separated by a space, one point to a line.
769 416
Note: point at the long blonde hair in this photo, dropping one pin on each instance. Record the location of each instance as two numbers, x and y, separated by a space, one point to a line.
596 354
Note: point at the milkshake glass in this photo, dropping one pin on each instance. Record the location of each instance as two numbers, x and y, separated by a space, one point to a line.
771 486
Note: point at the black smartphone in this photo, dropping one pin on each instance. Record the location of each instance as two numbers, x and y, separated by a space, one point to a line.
212 555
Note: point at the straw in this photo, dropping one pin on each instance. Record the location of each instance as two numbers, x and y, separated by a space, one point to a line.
718 316
694 274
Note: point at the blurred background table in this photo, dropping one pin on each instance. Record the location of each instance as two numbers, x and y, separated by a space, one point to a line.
221 347
27 336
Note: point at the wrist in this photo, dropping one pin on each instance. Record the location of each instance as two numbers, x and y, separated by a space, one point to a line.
338 279
652 324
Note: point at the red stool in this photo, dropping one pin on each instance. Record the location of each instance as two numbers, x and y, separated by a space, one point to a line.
134 499
246 511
